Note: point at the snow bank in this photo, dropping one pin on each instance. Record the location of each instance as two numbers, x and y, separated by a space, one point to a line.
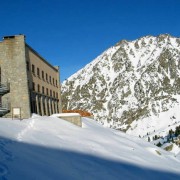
65 114
51 148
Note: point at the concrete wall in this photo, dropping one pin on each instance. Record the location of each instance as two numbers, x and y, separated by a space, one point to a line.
13 70
75 119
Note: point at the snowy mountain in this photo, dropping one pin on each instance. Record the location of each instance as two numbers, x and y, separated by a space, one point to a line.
51 148
131 83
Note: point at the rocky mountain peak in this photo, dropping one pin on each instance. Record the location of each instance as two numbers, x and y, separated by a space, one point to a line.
128 82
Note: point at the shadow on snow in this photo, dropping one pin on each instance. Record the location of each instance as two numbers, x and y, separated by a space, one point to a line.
26 161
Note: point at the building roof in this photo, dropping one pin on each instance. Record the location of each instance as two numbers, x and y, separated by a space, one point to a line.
56 68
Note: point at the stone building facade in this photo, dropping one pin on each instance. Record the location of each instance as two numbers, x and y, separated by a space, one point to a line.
27 80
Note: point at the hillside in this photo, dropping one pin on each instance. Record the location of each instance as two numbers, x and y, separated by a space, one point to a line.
128 83
51 148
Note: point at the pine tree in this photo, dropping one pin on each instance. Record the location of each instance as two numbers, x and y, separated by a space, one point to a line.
155 137
159 144
177 131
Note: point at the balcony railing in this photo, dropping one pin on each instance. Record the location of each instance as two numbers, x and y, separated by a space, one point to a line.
4 88
4 109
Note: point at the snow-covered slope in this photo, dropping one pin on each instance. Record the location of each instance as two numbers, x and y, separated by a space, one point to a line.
159 125
51 148
131 81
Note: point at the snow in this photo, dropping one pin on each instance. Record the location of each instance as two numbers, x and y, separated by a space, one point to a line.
51 148
84 78
65 114
159 125
175 149
108 79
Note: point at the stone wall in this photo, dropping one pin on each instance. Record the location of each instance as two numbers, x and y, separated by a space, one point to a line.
13 71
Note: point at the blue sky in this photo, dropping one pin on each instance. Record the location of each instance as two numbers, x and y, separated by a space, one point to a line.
71 33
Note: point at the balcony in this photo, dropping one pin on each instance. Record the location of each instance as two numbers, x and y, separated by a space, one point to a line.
4 88
4 109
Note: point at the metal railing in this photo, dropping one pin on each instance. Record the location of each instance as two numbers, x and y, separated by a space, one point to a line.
4 88
4 108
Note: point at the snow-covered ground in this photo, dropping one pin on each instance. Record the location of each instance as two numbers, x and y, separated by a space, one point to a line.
51 148
159 125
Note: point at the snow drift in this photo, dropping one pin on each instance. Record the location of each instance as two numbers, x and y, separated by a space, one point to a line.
51 148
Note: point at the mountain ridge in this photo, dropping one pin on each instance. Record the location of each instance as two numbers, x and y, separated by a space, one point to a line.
129 81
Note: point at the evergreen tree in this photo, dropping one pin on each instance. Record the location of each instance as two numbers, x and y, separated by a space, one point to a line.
159 144
155 137
170 133
177 131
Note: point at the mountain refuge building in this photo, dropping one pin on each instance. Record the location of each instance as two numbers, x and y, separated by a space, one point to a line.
28 83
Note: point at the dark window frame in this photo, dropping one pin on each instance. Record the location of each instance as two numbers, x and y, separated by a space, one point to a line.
33 86
38 88
27 65
46 77
33 68
42 75
38 72
42 89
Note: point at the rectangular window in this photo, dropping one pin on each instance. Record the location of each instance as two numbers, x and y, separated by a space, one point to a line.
56 82
43 75
33 69
51 93
47 92
38 71
46 77
50 79
53 81
27 65
38 87
57 95
42 89
33 86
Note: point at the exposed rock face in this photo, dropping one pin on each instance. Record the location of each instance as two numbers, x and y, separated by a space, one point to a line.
129 81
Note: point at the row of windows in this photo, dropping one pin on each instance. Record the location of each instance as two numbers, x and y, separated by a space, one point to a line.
42 75
42 90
